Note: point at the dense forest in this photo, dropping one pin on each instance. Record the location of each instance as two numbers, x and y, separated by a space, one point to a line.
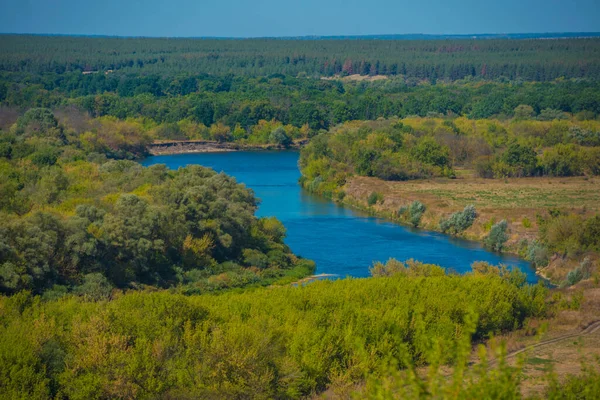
169 81
536 60
73 219
317 104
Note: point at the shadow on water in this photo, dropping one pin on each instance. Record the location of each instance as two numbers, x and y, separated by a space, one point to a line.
342 241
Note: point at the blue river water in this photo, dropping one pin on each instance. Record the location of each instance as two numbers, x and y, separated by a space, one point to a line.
340 240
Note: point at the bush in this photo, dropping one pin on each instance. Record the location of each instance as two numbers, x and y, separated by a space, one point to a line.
581 272
37 121
415 212
410 268
584 137
562 233
583 386
561 160
590 161
518 160
46 156
279 342
497 236
374 198
484 167
590 235
55 293
549 114
459 221
537 254
429 151
279 137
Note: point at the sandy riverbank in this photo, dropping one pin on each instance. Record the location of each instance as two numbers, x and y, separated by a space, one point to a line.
204 146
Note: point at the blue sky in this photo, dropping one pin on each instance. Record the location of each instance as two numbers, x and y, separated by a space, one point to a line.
239 18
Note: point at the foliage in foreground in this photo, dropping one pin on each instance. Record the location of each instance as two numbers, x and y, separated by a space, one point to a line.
484 380
281 342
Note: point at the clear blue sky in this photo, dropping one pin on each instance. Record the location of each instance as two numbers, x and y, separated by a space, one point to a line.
247 18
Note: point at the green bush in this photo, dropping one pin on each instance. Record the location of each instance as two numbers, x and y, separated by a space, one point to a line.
549 114
584 386
583 136
570 233
279 137
561 160
459 221
38 121
415 212
409 268
374 198
146 226
583 271
517 160
497 236
484 167
590 161
537 254
429 151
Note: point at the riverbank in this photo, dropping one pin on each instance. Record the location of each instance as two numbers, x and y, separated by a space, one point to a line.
313 278
168 147
519 201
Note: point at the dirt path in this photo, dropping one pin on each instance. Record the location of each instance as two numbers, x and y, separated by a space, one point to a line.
593 327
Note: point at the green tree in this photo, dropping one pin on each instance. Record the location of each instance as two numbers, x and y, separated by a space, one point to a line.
520 159
429 151
561 160
279 137
523 111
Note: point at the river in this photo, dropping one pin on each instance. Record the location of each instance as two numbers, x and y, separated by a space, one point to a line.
342 241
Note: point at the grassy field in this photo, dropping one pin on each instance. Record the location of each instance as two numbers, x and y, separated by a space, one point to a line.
577 193
518 200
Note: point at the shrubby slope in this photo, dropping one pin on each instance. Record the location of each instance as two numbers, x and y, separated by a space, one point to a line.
281 342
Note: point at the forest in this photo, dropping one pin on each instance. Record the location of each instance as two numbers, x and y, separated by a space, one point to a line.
76 220
528 59
124 281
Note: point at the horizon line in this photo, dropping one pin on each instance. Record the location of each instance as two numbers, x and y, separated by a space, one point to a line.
515 35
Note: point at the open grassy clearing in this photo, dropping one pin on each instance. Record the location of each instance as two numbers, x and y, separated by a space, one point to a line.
518 200
514 193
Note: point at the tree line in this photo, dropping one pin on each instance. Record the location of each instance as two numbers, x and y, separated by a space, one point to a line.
320 104
528 59
418 148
